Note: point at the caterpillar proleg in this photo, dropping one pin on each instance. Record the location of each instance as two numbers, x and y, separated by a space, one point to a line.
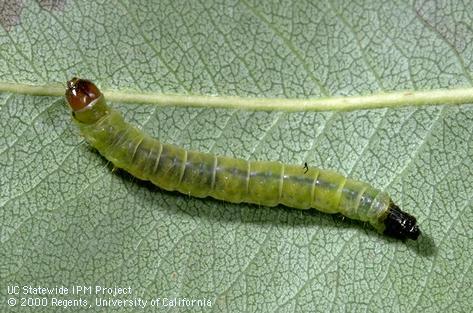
235 180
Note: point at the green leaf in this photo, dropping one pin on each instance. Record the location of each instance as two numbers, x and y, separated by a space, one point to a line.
67 219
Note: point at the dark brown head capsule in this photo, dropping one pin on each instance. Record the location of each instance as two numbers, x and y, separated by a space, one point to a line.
80 93
86 101
400 224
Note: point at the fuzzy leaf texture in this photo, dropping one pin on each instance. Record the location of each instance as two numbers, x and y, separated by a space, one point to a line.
67 219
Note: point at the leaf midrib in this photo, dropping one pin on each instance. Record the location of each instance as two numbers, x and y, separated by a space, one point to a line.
395 99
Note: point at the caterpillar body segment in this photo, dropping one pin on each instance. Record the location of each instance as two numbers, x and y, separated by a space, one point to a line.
201 174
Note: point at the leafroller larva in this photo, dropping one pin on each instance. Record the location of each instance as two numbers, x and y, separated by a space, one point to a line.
229 179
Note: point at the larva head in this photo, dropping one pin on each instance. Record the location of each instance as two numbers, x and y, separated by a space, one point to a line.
86 100
400 224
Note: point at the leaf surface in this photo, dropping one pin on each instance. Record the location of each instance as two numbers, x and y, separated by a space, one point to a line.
67 219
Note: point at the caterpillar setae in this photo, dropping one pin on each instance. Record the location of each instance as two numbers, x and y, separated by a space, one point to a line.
235 180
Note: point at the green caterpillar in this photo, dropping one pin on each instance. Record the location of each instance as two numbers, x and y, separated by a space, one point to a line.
234 180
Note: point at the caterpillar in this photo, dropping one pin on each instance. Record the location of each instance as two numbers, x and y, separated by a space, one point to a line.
199 174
